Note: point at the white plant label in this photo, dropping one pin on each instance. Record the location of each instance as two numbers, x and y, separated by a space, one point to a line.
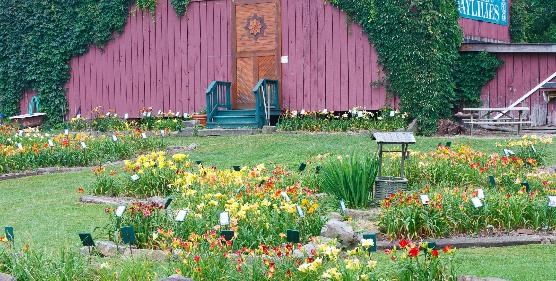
149 114
343 206
552 201
20 133
425 199
135 177
159 112
392 113
508 152
185 115
78 116
50 143
83 145
126 116
181 215
107 113
480 193
19 146
285 196
114 138
477 202
300 211
120 211
162 133
178 114
144 135
224 218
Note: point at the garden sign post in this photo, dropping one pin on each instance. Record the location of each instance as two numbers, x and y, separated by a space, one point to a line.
386 185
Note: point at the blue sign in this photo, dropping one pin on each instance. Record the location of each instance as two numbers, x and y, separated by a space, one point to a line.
493 11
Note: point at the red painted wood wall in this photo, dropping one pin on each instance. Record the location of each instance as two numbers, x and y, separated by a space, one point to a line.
166 62
520 73
484 31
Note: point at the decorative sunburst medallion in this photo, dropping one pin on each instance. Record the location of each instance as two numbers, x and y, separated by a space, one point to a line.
255 26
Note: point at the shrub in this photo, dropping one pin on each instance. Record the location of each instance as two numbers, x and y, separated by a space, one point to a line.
350 178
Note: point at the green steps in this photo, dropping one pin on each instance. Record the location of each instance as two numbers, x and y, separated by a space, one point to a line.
233 119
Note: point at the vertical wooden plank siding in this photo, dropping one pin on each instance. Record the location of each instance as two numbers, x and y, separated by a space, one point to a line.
484 31
520 73
166 62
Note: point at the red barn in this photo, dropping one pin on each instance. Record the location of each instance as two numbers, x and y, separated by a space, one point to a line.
317 56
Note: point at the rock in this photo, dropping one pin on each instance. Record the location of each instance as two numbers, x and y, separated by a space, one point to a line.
108 248
371 214
155 255
269 129
525 231
176 277
192 146
340 230
546 241
335 216
413 126
6 277
475 278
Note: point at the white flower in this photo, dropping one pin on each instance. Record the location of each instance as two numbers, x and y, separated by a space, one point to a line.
325 111
379 118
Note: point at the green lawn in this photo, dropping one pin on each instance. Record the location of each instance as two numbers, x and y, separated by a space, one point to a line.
46 213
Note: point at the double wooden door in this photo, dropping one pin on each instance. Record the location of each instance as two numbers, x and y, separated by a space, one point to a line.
256 46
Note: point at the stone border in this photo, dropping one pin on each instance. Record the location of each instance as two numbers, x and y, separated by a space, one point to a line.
196 132
484 242
117 201
61 170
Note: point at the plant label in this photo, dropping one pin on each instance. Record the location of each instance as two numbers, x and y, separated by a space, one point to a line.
161 133
480 193
126 116
425 199
135 177
78 116
120 211
285 196
20 133
178 114
144 135
342 206
534 149
180 217
114 138
50 143
392 113
552 201
83 145
224 218
19 146
508 152
300 211
107 113
477 202
159 112
149 114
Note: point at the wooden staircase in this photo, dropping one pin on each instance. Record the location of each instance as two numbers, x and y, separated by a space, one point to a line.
220 113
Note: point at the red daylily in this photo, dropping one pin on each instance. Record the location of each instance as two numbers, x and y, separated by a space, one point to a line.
413 252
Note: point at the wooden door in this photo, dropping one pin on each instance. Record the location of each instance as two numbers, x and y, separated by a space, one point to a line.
256 44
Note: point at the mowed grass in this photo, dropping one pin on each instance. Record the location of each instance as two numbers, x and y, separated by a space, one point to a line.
46 213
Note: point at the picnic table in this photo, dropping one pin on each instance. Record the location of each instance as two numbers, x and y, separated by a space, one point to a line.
497 116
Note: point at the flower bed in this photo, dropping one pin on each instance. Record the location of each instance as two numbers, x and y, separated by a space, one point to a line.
37 150
262 204
355 120
462 166
110 121
452 211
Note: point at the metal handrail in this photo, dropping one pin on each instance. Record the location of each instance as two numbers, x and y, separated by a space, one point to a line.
218 96
266 96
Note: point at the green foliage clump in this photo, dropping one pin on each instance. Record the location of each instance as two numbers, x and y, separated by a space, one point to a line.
350 179
417 43
471 72
533 21
180 6
38 38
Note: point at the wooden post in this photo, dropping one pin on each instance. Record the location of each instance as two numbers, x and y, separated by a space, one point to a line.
471 130
404 147
519 123
379 160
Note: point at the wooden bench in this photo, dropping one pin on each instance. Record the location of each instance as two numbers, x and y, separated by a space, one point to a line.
488 116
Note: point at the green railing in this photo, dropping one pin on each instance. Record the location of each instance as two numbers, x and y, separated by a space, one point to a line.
218 97
266 99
